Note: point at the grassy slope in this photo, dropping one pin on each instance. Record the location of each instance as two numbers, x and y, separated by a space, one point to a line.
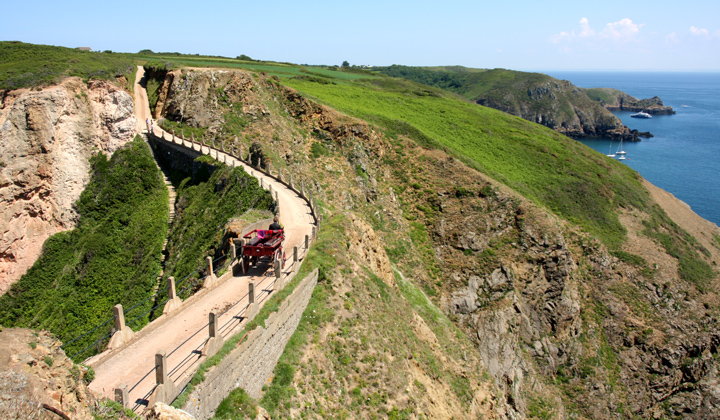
218 194
112 257
28 65
579 184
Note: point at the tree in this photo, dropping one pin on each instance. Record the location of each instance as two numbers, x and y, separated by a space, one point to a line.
244 57
345 64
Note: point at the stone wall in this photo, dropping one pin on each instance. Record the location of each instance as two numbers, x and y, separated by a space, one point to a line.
251 364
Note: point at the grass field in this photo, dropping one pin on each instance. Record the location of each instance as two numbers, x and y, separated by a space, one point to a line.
29 65
555 171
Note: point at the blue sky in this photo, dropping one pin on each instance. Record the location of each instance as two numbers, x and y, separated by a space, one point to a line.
533 36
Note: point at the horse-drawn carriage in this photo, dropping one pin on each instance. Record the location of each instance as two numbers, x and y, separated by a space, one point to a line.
263 243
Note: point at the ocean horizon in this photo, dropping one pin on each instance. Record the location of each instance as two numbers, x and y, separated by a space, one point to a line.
683 157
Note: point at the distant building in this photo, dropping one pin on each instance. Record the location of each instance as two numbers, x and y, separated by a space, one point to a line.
84 48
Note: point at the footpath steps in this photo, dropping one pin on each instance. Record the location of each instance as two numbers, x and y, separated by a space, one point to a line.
172 195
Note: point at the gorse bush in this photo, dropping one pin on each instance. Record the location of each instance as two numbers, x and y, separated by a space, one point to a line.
113 256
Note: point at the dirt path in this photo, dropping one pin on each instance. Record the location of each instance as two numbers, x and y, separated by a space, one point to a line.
184 333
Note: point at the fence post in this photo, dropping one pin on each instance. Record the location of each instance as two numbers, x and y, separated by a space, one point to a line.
216 341
165 390
278 274
290 184
314 233
210 280
121 395
161 372
252 308
307 242
233 250
174 301
262 183
295 254
123 333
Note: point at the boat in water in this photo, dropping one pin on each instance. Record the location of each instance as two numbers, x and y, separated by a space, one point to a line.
641 114
610 153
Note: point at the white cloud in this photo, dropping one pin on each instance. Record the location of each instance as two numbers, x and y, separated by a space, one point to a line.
585 29
622 30
672 38
699 31
560 37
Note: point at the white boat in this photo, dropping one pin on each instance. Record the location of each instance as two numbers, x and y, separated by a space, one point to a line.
610 153
641 114
620 152
622 157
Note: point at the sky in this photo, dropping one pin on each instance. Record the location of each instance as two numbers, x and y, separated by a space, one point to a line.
534 35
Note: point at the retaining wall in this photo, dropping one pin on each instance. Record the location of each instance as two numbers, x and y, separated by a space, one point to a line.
251 364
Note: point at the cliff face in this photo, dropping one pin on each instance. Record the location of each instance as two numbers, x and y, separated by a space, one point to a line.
557 104
46 139
617 100
542 320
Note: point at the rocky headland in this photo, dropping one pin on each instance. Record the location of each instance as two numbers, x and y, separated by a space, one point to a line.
47 137
617 100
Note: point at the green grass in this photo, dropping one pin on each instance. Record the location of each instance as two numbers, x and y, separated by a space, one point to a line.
29 65
206 201
113 256
572 180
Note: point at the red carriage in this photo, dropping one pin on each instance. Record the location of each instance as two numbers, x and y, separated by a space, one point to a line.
262 243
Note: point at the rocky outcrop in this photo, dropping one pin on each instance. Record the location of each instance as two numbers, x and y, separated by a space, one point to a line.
616 100
557 104
37 381
46 139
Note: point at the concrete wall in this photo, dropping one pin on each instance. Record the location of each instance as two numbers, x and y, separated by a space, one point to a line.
251 364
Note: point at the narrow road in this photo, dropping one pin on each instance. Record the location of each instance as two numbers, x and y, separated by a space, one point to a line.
183 335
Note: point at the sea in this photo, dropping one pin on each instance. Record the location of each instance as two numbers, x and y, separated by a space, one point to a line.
684 156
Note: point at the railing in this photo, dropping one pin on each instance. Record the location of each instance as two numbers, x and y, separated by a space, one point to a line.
168 381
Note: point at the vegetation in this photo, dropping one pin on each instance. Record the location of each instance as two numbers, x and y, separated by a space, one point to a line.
28 65
113 256
553 170
206 201
238 405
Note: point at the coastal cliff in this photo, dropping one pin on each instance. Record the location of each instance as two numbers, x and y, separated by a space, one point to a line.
563 324
536 97
46 139
617 100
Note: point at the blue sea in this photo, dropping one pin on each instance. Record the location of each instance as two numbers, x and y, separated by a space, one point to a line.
684 156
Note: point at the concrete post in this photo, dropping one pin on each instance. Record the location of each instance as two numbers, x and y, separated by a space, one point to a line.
302 189
216 341
171 287
162 134
277 199
119 317
122 395
270 189
278 275
295 254
210 280
123 333
313 232
262 183
233 250
173 134
174 302
213 324
161 370
253 307
290 184
307 242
